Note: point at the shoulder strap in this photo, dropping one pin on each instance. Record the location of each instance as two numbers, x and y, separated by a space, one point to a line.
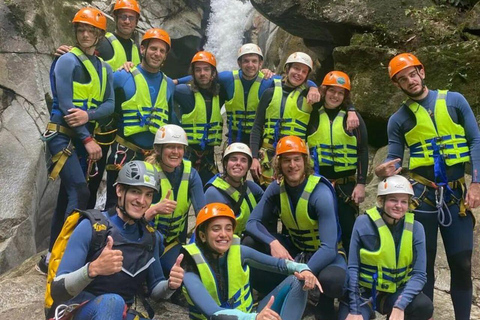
238 204
101 227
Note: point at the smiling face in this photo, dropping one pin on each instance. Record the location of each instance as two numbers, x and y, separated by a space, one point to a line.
126 21
297 74
203 73
218 234
154 55
171 155
396 205
136 200
410 81
237 166
334 97
250 65
293 168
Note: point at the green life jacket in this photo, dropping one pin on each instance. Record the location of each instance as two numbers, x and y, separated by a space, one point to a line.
138 115
283 117
390 271
447 135
200 130
119 56
238 277
172 225
246 207
88 96
302 229
241 113
331 145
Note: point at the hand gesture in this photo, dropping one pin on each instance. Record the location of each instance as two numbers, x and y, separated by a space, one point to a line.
310 280
108 262
388 169
176 274
165 206
267 313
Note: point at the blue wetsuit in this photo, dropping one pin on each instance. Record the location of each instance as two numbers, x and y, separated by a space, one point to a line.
409 297
290 306
458 236
72 276
329 265
124 86
74 192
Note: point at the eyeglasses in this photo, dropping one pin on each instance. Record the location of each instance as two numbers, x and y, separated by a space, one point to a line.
125 17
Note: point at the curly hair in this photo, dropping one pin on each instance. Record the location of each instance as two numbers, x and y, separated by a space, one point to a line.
277 168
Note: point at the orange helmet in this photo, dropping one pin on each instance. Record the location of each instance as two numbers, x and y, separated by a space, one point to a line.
159 34
213 210
402 61
337 79
91 16
290 144
205 56
127 5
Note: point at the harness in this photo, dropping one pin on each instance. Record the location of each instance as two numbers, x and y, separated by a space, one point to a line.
121 153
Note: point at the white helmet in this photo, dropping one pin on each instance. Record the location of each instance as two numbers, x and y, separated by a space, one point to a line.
300 57
171 133
249 48
394 184
238 147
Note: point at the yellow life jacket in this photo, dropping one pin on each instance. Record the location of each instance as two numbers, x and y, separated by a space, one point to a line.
284 118
172 225
88 96
239 293
138 115
119 55
241 114
302 229
448 136
331 145
199 130
390 271
246 207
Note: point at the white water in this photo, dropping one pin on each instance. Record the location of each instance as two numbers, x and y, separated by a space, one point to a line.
225 30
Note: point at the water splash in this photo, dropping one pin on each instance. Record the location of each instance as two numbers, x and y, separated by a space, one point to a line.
225 30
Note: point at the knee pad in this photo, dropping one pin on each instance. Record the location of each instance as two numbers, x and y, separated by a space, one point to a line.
332 279
461 270
83 194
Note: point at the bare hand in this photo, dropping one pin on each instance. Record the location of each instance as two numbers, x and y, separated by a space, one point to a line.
472 199
127 66
267 313
176 274
267 73
62 50
354 317
108 262
310 280
352 120
397 314
313 95
388 169
76 117
165 206
175 81
94 150
358 194
279 251
256 169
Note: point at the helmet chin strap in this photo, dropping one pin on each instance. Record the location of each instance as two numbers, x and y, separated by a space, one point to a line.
383 212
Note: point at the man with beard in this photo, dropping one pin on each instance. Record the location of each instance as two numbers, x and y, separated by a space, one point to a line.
200 104
144 101
441 132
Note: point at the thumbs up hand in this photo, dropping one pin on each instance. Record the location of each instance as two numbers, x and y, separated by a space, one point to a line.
176 274
165 206
108 262
267 313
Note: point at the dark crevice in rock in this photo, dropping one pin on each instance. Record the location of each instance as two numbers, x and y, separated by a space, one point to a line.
8 228
377 131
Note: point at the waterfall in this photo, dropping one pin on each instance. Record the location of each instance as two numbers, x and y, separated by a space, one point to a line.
225 30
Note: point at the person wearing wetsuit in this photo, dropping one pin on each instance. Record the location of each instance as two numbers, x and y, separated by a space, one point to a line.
144 103
339 155
306 205
107 280
217 282
82 98
442 135
388 244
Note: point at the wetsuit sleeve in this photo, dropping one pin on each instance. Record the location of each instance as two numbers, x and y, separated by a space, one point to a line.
256 259
362 149
227 84
256 190
184 98
196 191
419 275
396 139
469 122
321 203
172 117
265 210
310 84
184 80
108 105
120 79
353 265
64 70
72 274
158 285
257 130
212 195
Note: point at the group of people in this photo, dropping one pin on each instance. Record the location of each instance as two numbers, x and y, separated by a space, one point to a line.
306 149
